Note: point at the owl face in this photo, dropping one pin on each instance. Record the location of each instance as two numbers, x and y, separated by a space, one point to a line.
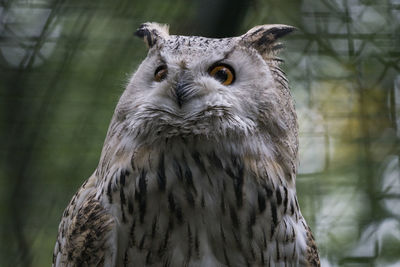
200 86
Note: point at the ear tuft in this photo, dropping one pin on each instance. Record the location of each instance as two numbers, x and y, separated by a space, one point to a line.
263 38
152 32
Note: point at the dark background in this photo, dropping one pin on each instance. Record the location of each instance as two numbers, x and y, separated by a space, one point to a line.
64 64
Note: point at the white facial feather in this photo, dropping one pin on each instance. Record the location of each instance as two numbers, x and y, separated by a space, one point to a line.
235 106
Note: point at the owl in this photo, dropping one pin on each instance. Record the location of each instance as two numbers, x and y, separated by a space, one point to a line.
199 164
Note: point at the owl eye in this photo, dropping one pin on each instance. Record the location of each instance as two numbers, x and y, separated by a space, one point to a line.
223 73
160 73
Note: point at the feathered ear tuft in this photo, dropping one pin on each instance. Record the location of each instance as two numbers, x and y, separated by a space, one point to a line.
152 33
263 38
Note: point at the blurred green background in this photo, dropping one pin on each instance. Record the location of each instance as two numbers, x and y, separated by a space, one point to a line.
64 64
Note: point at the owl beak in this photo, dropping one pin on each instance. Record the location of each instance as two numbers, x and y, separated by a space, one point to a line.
183 92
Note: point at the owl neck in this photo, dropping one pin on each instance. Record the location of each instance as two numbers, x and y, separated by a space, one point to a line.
263 158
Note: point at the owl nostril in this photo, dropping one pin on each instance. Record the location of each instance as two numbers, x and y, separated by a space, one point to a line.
182 92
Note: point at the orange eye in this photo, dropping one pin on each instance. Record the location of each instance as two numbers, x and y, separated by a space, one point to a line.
223 73
160 73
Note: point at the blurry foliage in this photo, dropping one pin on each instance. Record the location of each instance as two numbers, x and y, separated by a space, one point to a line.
64 63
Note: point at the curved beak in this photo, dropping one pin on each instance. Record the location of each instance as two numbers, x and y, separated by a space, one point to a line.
183 91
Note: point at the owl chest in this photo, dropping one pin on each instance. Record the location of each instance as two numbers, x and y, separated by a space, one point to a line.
201 210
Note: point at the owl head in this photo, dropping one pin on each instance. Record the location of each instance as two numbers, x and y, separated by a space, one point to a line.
197 86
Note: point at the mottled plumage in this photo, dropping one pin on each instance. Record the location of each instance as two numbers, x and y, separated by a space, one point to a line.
199 164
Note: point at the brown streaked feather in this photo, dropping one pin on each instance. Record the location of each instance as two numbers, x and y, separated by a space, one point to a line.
312 251
87 234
